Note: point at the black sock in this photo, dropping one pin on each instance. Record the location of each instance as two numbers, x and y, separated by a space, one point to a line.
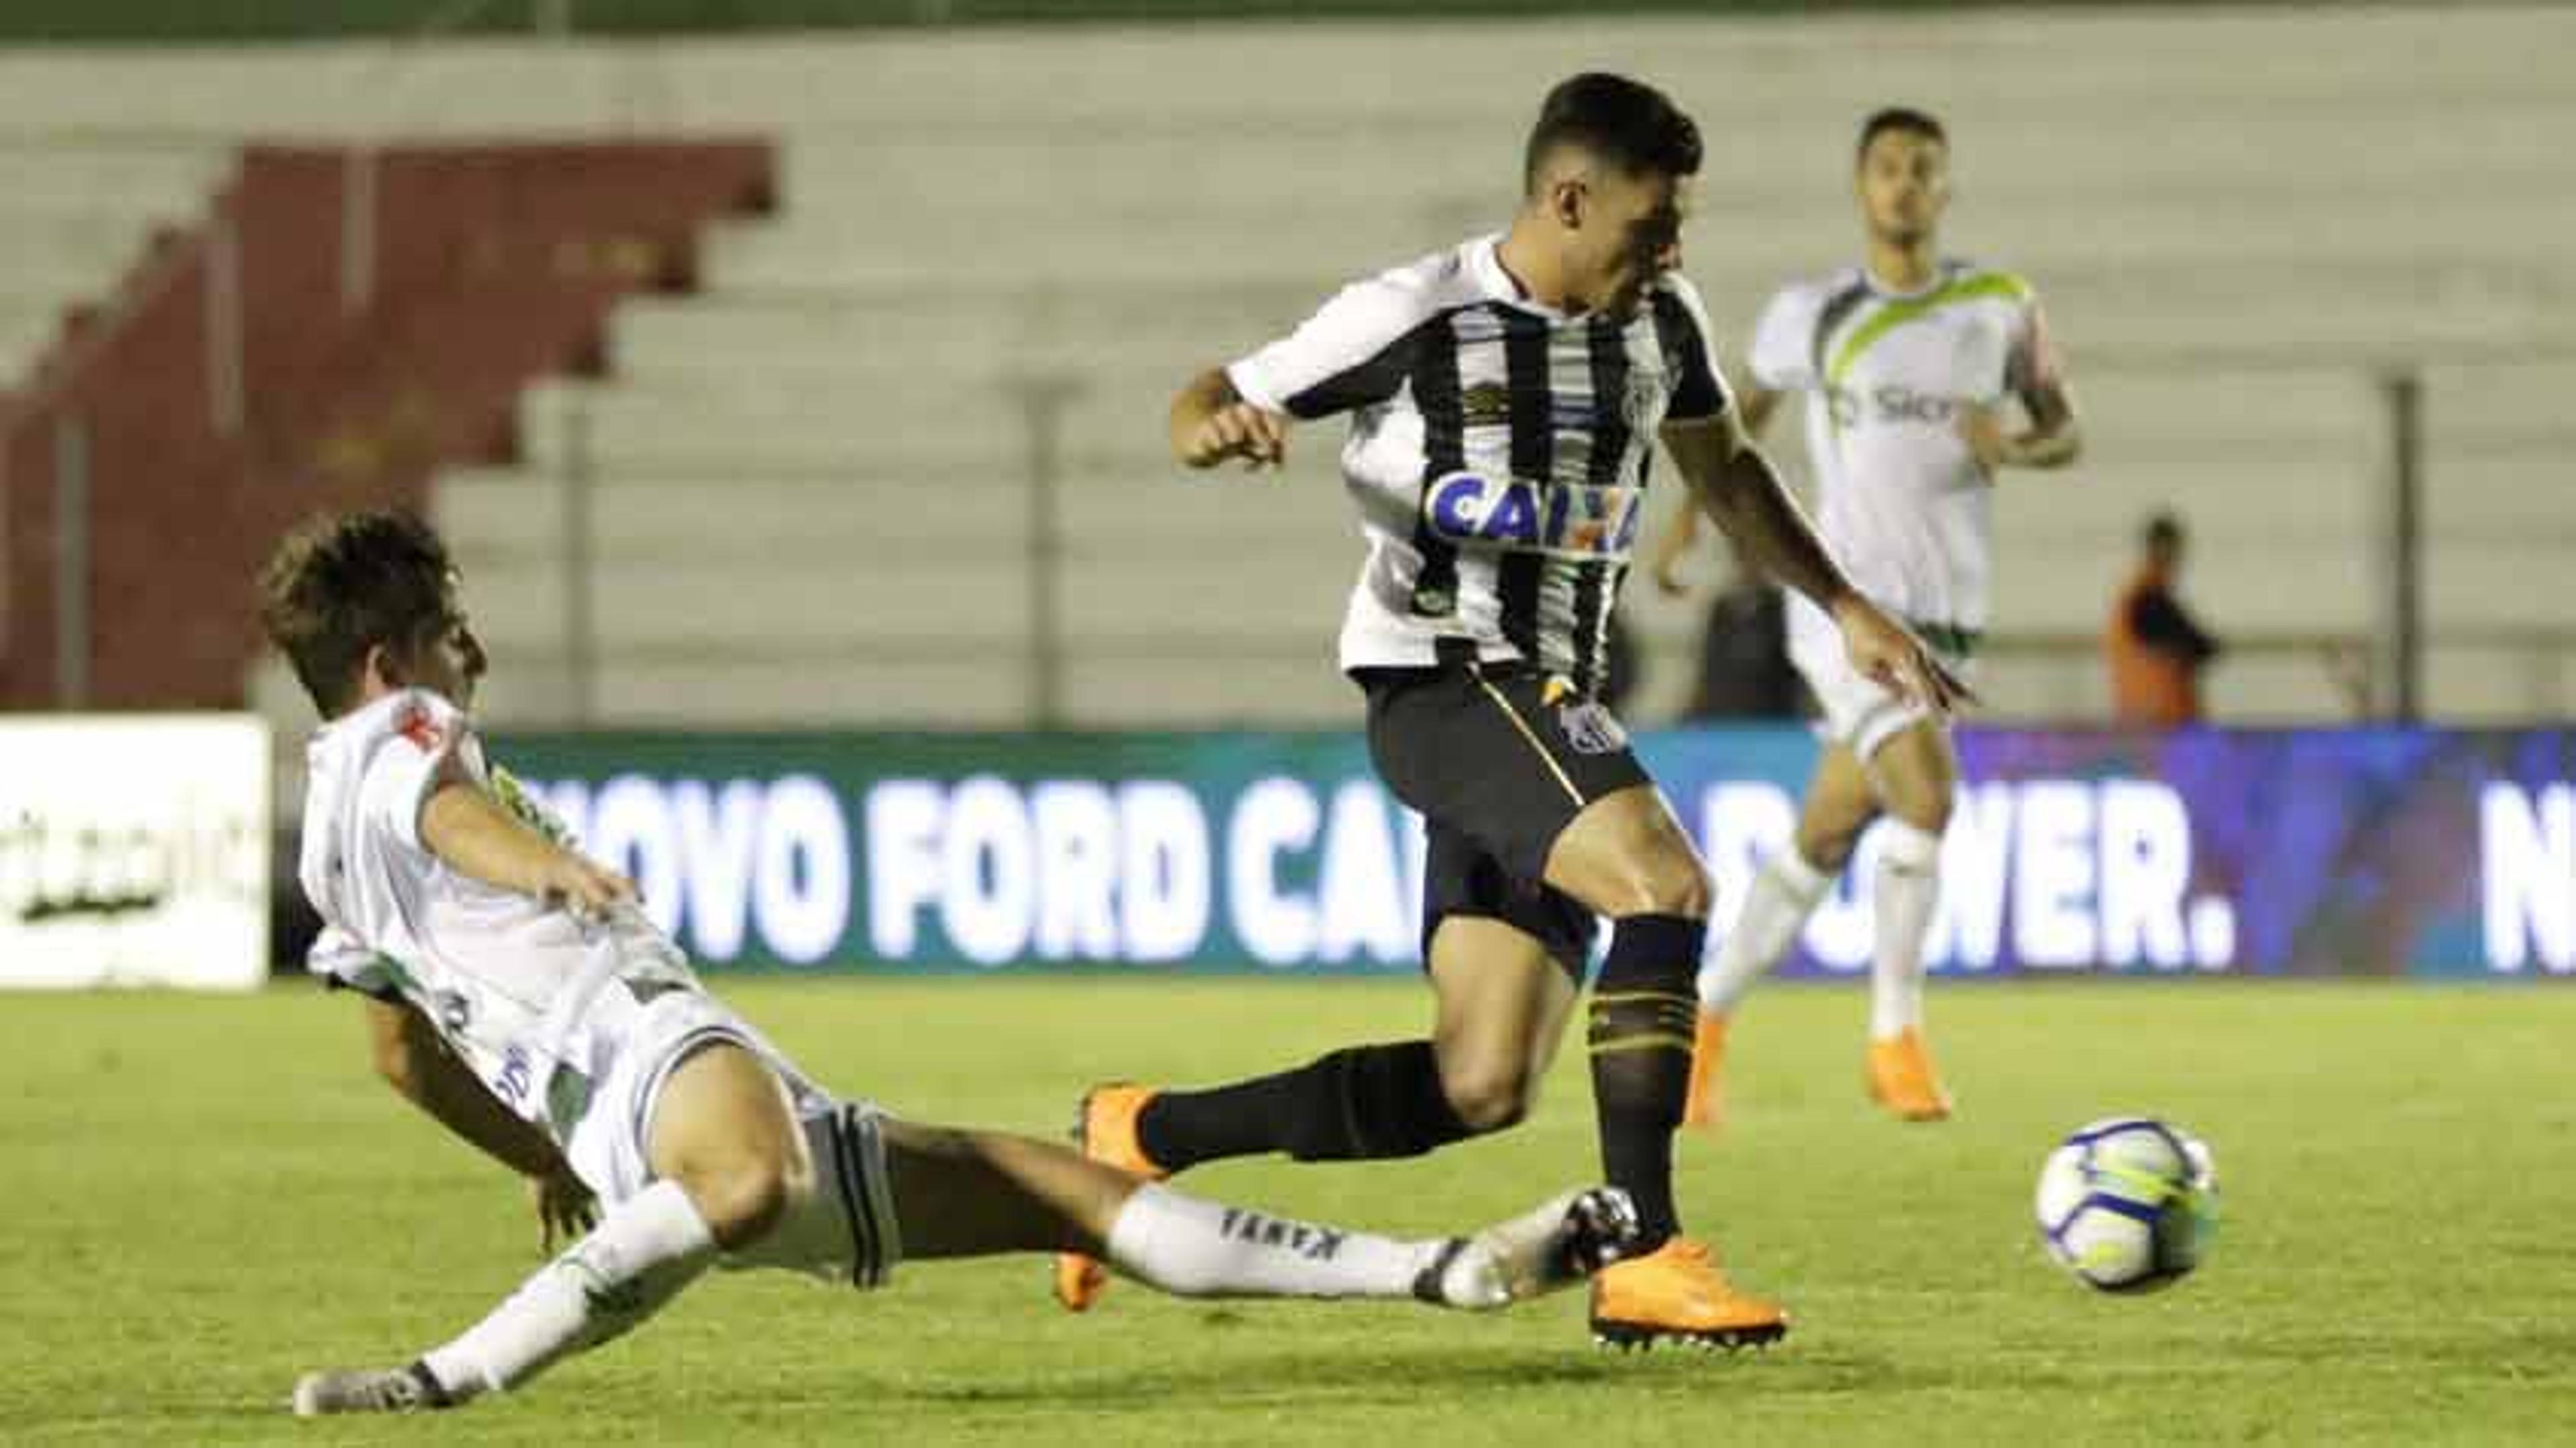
1643 1008
1360 1104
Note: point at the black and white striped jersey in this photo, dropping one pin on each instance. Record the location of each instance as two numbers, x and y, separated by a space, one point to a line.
1498 452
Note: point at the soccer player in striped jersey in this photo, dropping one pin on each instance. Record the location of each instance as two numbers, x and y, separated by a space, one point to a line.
1906 362
517 995
1504 396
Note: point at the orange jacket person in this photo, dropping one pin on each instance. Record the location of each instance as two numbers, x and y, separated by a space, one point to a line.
2156 649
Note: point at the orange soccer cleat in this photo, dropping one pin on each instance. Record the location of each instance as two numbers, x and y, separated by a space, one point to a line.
1703 1101
1104 1129
1901 1078
1677 1294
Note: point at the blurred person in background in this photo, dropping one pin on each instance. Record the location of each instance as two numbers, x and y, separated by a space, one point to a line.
517 996
1745 672
1908 361
2154 647
1504 395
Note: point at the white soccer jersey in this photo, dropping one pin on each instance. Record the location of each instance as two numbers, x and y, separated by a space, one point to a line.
1498 452
1899 498
509 983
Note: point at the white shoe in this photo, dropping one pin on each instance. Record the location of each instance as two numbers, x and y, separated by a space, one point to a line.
370 1390
1554 1246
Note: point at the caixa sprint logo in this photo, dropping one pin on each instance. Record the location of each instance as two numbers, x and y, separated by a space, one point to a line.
1576 519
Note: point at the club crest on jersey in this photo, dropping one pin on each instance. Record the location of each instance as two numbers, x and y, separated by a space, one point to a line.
1644 400
1515 514
1590 727
1486 404
414 723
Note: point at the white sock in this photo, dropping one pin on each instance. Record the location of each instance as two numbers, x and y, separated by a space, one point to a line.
1783 894
1192 1247
640 1255
1908 886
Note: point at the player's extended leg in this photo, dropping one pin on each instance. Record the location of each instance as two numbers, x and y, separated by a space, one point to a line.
1626 856
968 1193
1502 1007
1841 801
1917 775
729 1162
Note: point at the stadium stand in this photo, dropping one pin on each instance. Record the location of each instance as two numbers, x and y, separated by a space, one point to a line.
246 372
809 482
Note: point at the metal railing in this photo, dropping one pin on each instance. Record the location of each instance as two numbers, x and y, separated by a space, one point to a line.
2372 674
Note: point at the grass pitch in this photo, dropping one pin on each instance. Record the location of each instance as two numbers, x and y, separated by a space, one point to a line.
206 1196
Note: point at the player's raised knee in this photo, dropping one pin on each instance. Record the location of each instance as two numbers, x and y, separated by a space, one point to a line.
1489 1097
745 1197
1930 814
1663 883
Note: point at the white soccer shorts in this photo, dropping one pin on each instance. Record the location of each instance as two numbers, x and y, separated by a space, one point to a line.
844 1231
1858 710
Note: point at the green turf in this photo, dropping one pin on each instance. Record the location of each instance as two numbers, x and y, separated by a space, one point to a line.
207 1195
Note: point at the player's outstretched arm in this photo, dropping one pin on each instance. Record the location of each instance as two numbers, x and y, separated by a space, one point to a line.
474 835
1754 405
1210 422
1735 485
420 1068
1741 492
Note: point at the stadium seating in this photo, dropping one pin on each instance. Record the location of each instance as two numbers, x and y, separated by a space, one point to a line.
810 483
75 216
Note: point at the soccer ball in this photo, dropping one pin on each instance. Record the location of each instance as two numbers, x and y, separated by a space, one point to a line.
2128 1204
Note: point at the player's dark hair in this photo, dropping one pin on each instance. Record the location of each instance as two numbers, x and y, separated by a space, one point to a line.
338 586
1628 123
2164 531
1902 119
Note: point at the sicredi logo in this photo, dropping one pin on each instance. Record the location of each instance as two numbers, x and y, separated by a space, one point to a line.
1889 404
1569 518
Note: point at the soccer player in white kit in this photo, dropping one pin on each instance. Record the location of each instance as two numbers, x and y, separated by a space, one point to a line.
517 995
1906 362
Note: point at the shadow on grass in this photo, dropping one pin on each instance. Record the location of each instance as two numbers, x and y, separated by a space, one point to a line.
1397 1376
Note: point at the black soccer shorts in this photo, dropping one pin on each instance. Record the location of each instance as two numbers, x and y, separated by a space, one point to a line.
1498 758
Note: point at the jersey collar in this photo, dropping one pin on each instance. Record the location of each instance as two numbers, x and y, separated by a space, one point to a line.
1485 265
1944 272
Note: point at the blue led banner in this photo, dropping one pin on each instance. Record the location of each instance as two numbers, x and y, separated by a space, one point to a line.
2317 852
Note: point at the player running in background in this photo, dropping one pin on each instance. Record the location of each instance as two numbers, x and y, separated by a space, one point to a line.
1504 397
518 996
1906 361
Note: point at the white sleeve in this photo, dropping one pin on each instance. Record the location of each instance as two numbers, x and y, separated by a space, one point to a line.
1784 351
420 734
2031 363
1355 350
